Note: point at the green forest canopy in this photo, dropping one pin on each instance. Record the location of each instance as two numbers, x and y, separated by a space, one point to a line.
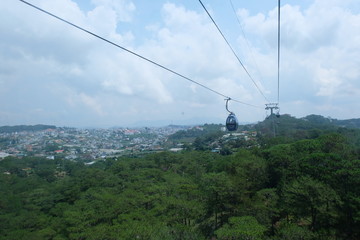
303 184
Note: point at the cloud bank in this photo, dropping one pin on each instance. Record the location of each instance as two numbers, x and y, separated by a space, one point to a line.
52 73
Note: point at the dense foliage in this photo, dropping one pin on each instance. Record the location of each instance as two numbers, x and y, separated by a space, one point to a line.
298 188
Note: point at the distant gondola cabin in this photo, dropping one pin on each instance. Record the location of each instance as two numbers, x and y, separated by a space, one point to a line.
232 122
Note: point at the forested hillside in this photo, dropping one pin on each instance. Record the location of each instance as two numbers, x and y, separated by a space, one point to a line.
20 128
302 184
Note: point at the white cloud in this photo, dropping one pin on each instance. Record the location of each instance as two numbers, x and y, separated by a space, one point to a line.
328 81
70 75
122 8
92 103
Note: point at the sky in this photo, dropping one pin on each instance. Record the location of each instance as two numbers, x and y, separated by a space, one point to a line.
53 73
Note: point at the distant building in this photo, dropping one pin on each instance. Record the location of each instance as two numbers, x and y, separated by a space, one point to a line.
4 154
216 150
175 149
90 163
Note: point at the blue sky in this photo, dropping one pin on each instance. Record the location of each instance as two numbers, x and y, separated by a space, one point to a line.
51 73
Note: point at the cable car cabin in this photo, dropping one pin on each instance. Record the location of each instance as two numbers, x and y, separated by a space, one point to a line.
232 122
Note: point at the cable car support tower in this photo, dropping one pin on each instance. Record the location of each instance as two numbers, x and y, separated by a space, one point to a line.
274 107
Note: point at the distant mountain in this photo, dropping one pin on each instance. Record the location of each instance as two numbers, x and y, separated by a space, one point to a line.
349 123
318 119
299 128
21 128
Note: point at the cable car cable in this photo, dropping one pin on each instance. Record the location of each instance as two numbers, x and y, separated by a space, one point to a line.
247 41
136 54
247 72
278 66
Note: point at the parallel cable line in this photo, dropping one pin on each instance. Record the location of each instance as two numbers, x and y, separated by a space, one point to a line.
247 42
278 66
136 54
227 42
